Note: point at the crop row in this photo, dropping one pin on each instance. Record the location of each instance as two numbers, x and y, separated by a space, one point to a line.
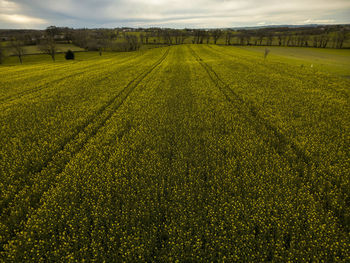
323 151
187 169
41 78
29 186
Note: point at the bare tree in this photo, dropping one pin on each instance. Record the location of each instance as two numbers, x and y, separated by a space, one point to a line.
176 35
280 38
158 34
132 43
241 38
199 36
216 35
147 36
260 37
202 36
114 34
167 36
207 37
228 37
184 35
81 38
48 46
102 41
142 38
2 55
284 39
196 36
269 39
18 49
339 38
247 38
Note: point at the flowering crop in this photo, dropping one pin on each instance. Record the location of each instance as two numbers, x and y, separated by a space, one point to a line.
180 154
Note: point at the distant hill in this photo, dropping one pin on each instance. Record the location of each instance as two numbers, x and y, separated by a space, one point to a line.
285 26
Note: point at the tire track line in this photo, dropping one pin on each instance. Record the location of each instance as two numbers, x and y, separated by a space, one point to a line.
40 87
253 111
60 157
298 160
28 71
28 199
275 69
47 84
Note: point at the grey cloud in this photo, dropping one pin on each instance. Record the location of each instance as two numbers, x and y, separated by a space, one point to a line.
174 13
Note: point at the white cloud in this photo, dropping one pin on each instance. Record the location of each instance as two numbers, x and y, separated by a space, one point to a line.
7 6
22 19
318 21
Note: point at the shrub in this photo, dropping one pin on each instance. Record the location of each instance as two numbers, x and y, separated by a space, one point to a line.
69 55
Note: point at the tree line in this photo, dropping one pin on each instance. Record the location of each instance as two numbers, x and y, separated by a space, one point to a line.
131 39
318 37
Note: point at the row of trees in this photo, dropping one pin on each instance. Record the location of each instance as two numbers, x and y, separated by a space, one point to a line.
105 39
2 55
129 40
331 37
47 42
262 37
328 38
46 45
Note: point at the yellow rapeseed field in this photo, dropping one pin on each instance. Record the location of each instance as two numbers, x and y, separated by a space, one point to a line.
191 153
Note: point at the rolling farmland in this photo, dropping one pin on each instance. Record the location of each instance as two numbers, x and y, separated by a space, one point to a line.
195 153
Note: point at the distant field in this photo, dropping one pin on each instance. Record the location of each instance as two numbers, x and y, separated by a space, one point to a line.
335 61
193 153
32 54
60 58
33 49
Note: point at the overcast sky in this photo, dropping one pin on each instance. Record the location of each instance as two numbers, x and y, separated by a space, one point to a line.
170 13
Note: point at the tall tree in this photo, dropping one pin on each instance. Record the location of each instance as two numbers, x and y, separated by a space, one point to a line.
49 46
132 42
147 36
81 38
184 35
339 38
52 31
216 35
260 37
207 36
241 38
102 41
142 38
2 55
228 37
17 47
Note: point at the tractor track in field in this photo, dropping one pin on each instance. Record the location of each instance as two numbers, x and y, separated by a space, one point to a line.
54 67
253 111
275 139
340 93
47 84
24 73
43 86
54 165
